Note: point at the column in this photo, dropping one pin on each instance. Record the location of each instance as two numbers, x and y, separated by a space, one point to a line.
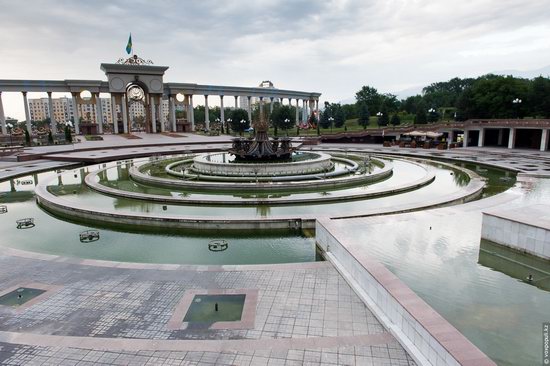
544 140
222 113
500 136
466 137
512 138
236 101
206 116
481 139
172 113
75 114
297 111
249 110
191 113
305 114
114 113
161 114
450 139
153 114
3 117
271 105
53 123
124 112
27 113
261 107
99 114
316 110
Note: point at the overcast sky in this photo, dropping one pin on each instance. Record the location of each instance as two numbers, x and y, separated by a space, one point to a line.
333 47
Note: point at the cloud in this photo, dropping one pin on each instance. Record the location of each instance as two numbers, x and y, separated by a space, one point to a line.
333 47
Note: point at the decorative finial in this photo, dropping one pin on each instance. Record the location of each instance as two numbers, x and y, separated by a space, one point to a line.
134 60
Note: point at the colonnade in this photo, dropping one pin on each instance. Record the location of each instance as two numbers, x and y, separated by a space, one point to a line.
155 105
512 134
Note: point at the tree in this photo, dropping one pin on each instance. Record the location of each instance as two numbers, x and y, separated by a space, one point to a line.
383 118
395 120
50 137
364 115
27 138
238 115
283 117
370 96
68 135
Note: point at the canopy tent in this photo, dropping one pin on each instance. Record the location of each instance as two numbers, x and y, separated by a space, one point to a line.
429 134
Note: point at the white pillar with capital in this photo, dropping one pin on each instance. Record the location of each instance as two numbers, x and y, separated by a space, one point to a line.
27 113
481 138
222 113
206 116
75 114
3 117
113 112
466 137
124 113
512 138
191 113
161 115
297 112
153 114
53 123
261 107
249 110
270 105
305 114
99 114
172 113
544 140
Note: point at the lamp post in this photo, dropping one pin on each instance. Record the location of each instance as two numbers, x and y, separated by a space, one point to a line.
431 113
286 121
217 120
331 120
229 120
69 126
10 128
243 122
517 103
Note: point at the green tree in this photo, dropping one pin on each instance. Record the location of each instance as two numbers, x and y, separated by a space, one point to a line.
239 120
370 96
27 138
68 135
395 120
283 117
364 115
50 137
383 118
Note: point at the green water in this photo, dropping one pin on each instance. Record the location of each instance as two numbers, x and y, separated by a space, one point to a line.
203 309
486 297
20 296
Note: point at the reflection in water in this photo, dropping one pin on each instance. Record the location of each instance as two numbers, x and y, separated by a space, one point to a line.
523 267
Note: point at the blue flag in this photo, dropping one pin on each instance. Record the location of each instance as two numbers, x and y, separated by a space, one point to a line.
129 45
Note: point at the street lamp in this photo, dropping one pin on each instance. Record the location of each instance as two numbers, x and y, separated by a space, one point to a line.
243 122
517 103
229 120
331 120
217 120
431 112
287 121
10 127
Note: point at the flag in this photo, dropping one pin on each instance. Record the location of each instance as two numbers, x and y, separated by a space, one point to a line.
129 45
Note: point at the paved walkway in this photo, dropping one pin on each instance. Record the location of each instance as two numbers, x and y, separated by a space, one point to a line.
305 314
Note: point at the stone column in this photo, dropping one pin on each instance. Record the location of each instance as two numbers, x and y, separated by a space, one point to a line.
466 137
512 138
297 111
500 136
99 114
236 101
27 113
305 114
161 114
261 106
123 104
450 139
53 123
191 113
75 113
249 110
172 113
114 113
544 140
3 117
206 116
481 138
222 113
153 114
271 105
316 110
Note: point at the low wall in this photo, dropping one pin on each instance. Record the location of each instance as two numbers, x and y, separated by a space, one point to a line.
526 229
426 335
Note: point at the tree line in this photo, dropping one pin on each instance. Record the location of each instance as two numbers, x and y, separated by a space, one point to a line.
488 96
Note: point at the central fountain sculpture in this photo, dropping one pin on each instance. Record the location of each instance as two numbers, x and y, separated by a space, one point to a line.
261 147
